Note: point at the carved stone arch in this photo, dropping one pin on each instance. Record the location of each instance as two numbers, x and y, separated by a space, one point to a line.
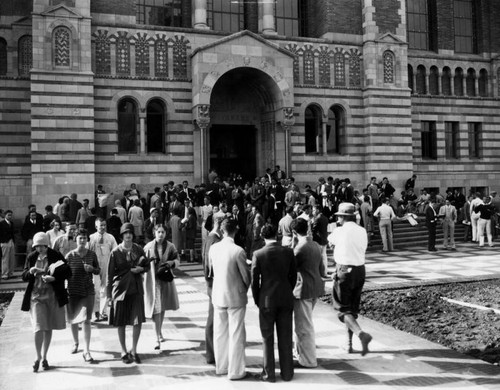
286 98
320 103
74 49
134 95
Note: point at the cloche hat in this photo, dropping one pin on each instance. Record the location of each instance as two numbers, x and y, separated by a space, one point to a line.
40 239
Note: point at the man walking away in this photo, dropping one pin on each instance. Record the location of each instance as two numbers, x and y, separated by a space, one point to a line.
274 275
350 242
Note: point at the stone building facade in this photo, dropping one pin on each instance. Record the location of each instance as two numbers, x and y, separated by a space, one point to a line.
118 91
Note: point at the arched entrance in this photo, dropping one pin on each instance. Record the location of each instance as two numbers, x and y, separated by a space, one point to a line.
242 128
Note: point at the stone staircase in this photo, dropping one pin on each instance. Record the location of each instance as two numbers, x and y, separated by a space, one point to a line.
405 235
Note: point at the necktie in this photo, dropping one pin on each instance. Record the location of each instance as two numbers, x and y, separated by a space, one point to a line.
101 239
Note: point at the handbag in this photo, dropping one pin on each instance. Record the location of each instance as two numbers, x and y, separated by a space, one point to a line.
164 273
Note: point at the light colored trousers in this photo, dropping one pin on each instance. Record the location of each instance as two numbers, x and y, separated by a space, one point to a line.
305 337
385 227
8 259
229 341
474 218
449 230
484 225
101 293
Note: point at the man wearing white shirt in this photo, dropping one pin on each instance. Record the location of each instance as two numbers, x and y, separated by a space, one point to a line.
102 243
474 216
350 243
449 214
385 214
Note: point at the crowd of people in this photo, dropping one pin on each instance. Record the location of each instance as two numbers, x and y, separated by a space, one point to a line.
115 263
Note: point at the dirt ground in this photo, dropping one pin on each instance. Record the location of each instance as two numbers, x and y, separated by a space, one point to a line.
422 312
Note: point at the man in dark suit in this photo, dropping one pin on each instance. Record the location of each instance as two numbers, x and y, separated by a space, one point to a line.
32 225
431 222
319 228
274 275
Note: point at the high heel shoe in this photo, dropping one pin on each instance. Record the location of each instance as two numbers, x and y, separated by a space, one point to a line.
45 365
36 365
88 357
75 348
158 345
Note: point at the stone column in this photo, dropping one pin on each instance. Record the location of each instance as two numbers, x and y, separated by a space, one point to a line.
325 141
142 131
268 25
201 116
200 15
288 122
476 85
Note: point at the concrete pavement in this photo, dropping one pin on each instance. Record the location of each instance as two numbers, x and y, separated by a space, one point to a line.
397 360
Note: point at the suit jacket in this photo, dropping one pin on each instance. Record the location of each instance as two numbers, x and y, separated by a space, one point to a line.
310 265
430 216
274 275
6 231
319 229
29 229
231 274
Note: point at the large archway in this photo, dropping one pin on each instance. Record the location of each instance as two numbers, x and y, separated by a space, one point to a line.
242 128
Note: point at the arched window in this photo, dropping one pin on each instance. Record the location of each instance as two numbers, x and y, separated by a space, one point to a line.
458 82
483 83
61 46
161 58
335 130
127 126
102 53
155 124
123 56
354 69
142 55
309 66
446 81
388 67
339 66
421 80
410 79
3 57
25 55
313 129
434 81
470 82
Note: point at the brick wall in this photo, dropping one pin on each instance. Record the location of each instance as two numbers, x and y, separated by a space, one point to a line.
117 7
337 16
445 28
16 7
386 15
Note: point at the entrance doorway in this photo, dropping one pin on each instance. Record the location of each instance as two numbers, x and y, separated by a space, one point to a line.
233 150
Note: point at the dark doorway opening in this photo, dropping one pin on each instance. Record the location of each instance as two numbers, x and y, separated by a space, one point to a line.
232 150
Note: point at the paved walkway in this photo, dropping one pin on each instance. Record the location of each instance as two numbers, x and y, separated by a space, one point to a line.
397 360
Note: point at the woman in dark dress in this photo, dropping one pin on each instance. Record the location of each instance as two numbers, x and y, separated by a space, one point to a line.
127 263
45 271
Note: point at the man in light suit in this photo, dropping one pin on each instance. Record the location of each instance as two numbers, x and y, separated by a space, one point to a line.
449 214
274 275
229 297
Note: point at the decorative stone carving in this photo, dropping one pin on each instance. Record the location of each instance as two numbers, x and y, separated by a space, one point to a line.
62 46
309 73
324 66
122 55
354 69
388 67
142 55
180 57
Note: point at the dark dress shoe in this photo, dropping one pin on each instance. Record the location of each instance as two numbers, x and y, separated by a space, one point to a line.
45 365
135 357
36 365
126 359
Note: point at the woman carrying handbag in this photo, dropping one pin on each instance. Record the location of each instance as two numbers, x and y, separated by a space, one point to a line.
160 293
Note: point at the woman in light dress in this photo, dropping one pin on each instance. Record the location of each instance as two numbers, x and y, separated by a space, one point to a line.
54 233
160 295
84 265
